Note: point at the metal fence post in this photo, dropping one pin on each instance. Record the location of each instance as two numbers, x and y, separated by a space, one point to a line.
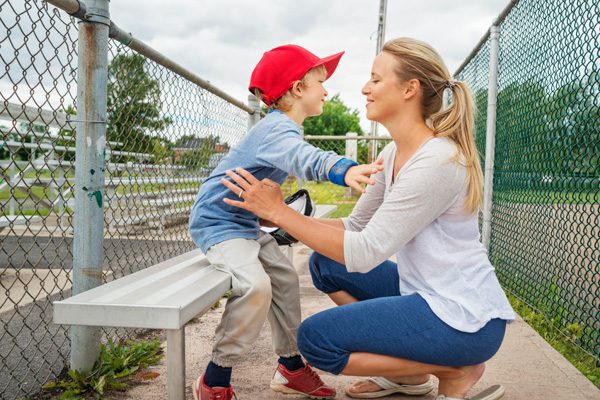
92 76
490 137
11 200
59 193
254 104
299 180
351 153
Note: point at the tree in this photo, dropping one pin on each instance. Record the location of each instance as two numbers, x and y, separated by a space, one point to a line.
337 119
521 140
573 126
134 105
548 139
206 147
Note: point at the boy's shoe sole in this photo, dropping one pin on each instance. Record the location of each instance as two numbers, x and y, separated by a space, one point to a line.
279 388
195 387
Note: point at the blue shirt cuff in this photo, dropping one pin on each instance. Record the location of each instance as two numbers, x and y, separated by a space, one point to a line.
338 171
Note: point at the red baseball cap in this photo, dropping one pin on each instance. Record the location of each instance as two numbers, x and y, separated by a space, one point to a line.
280 67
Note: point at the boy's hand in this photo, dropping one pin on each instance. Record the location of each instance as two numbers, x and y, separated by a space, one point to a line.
359 174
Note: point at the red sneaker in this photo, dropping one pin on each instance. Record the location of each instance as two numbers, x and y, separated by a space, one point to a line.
302 381
203 392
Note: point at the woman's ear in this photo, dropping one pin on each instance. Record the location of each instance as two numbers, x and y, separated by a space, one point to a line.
412 88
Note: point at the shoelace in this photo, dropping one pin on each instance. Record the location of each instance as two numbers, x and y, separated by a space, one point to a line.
313 374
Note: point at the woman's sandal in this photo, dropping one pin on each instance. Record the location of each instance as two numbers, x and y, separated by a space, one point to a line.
388 387
491 393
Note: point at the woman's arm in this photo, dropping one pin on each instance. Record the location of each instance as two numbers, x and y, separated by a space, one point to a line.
264 198
324 238
372 197
424 191
335 222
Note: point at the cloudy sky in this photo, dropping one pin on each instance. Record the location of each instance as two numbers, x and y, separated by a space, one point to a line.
221 41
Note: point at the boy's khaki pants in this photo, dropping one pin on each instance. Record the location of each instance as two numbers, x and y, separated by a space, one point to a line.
264 284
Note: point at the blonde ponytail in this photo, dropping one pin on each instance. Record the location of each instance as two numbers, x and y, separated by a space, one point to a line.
418 60
457 122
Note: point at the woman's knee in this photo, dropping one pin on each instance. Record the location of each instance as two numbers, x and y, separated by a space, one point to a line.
310 341
319 271
317 346
493 336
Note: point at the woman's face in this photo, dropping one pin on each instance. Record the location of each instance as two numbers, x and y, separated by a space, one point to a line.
383 91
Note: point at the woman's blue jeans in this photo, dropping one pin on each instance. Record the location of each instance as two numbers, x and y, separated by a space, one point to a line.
384 322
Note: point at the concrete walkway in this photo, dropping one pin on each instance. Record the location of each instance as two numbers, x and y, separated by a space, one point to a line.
526 365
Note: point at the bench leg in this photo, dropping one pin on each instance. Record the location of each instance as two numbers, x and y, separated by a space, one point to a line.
176 363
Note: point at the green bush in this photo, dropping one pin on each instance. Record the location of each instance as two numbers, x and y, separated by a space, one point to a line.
113 371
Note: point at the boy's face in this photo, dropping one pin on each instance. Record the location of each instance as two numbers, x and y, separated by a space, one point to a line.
313 92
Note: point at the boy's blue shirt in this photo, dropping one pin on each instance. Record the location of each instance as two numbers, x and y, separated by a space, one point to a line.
272 149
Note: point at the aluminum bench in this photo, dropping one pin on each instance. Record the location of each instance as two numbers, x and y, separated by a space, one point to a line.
164 296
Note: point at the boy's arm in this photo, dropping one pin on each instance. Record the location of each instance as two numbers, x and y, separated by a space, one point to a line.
284 149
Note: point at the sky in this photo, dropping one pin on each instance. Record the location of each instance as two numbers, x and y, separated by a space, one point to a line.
221 41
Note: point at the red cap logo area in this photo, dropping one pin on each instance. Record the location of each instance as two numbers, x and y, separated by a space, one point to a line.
280 67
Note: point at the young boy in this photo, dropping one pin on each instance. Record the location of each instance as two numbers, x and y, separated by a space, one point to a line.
289 80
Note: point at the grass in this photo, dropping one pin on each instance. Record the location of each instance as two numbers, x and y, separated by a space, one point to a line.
562 341
325 193
118 366
43 193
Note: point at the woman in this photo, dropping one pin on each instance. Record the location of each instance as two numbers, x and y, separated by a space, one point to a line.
440 310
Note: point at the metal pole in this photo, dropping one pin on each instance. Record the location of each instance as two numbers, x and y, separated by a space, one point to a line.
333 137
511 4
254 105
79 10
490 137
176 363
351 153
372 147
140 47
12 192
92 75
299 180
60 195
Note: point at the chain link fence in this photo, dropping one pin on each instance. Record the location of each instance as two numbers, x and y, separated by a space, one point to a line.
164 136
165 133
545 213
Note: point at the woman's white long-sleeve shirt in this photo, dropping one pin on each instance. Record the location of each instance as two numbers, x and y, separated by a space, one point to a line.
421 218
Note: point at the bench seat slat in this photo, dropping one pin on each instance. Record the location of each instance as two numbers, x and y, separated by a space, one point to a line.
164 296
121 288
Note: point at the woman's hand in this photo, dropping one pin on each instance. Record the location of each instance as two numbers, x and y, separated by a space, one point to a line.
263 198
360 174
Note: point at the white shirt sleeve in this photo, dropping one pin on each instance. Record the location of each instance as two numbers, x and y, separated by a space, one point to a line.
370 201
425 188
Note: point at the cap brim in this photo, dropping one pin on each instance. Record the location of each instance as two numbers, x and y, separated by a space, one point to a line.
330 63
